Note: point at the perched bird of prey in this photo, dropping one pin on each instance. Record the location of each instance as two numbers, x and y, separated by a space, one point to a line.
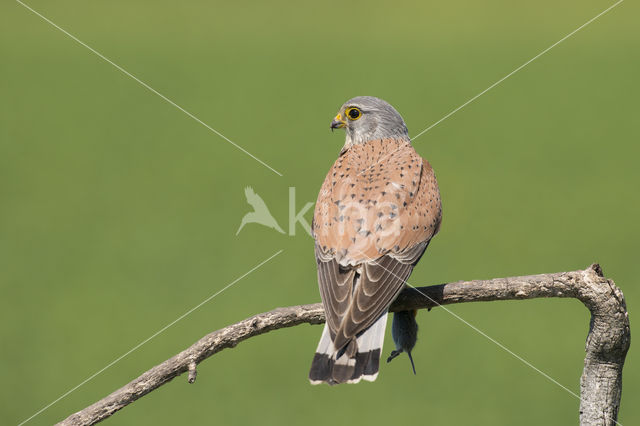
260 213
377 210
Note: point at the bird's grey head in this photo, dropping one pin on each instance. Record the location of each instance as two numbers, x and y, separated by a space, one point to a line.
367 118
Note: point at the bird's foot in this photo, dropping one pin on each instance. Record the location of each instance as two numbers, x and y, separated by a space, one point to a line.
394 354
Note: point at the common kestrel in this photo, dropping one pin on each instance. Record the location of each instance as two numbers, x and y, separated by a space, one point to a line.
377 210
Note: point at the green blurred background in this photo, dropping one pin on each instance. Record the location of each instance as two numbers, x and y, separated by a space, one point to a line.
118 212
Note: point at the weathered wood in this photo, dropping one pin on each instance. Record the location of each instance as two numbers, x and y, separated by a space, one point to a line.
607 342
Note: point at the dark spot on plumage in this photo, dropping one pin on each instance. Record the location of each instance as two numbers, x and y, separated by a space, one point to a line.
401 175
380 214
398 195
378 227
410 194
404 204
353 184
392 215
384 193
353 196
353 239
394 207
396 248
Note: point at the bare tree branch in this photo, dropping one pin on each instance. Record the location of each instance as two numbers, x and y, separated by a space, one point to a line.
607 342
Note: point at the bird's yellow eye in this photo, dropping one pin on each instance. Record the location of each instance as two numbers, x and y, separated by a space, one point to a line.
353 113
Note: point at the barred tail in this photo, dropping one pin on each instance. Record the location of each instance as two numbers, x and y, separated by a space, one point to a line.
363 364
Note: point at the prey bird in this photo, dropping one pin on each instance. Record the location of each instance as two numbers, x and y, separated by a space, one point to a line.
376 213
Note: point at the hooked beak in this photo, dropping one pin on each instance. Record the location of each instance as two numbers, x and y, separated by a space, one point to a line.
338 122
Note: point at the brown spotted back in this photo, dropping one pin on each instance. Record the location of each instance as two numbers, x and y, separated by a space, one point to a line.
379 198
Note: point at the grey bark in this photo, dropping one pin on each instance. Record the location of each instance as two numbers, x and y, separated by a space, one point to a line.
607 342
